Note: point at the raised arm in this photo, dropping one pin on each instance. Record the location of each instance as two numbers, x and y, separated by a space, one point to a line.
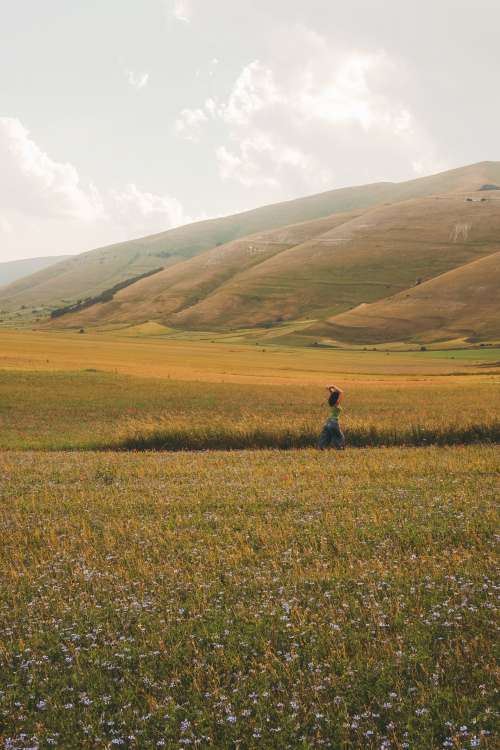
336 389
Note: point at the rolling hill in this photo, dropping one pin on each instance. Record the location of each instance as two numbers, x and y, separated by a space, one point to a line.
463 303
186 285
15 269
96 271
382 252
320 270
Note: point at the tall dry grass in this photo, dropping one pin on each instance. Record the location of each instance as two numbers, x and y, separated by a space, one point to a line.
257 432
91 410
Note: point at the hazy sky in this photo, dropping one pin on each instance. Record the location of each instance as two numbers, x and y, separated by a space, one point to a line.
120 118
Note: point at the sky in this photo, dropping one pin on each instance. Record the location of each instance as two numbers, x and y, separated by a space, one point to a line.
121 118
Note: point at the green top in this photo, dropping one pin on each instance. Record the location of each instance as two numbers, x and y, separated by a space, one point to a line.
335 412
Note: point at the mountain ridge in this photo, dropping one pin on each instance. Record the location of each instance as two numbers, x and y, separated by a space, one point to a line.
362 257
318 268
90 273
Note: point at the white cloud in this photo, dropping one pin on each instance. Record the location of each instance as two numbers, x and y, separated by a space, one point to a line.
262 160
189 123
138 81
182 10
211 107
254 90
47 208
300 120
41 185
145 212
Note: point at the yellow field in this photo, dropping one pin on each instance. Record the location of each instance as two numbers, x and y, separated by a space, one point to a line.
245 598
216 362
102 391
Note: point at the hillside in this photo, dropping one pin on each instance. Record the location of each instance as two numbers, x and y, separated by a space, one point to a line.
376 255
184 285
12 270
91 273
463 303
328 267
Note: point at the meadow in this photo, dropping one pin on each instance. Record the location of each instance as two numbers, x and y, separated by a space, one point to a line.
175 598
102 411
65 391
249 600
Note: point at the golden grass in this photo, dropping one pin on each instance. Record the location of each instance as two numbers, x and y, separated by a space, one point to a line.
89 409
216 362
297 600
245 599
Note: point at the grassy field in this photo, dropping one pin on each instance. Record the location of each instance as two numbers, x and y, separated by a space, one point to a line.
245 599
85 410
212 361
67 391
249 600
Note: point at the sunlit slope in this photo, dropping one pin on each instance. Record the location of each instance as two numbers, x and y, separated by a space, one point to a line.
377 255
183 285
81 276
464 302
91 273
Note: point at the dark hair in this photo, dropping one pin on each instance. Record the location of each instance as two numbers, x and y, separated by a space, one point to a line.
334 397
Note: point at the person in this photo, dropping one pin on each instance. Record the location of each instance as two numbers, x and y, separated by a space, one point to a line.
331 434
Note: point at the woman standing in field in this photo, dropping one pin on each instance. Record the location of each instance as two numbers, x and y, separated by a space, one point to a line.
331 434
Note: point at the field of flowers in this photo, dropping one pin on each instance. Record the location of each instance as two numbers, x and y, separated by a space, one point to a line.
261 599
189 596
